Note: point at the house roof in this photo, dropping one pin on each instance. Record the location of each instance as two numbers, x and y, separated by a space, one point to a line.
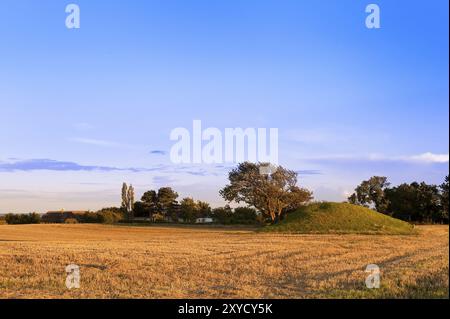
75 212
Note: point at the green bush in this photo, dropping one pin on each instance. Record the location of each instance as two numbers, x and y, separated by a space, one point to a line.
103 216
31 218
244 215
71 221
109 217
223 215
91 218
240 215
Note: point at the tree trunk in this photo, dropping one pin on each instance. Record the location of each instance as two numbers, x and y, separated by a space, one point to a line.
272 216
279 212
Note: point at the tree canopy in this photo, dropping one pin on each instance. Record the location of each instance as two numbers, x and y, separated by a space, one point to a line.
418 202
273 192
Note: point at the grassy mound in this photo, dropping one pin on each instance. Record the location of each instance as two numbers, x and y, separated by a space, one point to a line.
340 218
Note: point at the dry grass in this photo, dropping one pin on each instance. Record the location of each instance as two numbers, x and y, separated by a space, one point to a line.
163 262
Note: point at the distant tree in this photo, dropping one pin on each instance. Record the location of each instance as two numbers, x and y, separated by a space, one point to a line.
269 192
131 200
188 209
140 210
109 217
128 200
125 197
371 192
150 202
403 201
12 219
240 215
203 209
429 209
223 215
167 200
34 218
115 210
353 199
417 202
444 199
175 212
91 218
31 218
244 215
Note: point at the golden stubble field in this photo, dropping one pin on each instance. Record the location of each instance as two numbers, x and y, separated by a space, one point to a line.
198 262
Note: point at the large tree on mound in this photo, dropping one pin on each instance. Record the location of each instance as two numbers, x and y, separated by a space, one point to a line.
273 191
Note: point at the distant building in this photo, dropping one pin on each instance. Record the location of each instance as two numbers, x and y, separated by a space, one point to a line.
142 219
62 215
205 220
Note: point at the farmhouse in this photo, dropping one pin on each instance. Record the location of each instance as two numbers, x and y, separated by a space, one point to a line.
61 216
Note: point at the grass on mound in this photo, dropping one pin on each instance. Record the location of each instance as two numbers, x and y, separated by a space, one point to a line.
340 218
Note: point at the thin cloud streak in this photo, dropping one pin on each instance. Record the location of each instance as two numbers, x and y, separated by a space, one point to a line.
53 165
309 172
63 166
92 141
157 152
424 158
430 158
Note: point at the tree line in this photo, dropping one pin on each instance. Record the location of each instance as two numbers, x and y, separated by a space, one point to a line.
269 195
162 205
17 219
414 202
268 192
108 215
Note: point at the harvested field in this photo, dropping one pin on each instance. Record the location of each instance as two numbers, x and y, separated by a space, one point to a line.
201 262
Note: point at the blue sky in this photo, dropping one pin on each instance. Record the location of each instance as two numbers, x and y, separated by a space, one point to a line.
83 110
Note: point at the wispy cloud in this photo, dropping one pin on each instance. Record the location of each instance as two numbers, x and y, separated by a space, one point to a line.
96 142
201 172
157 152
425 158
53 165
430 158
56 165
309 172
